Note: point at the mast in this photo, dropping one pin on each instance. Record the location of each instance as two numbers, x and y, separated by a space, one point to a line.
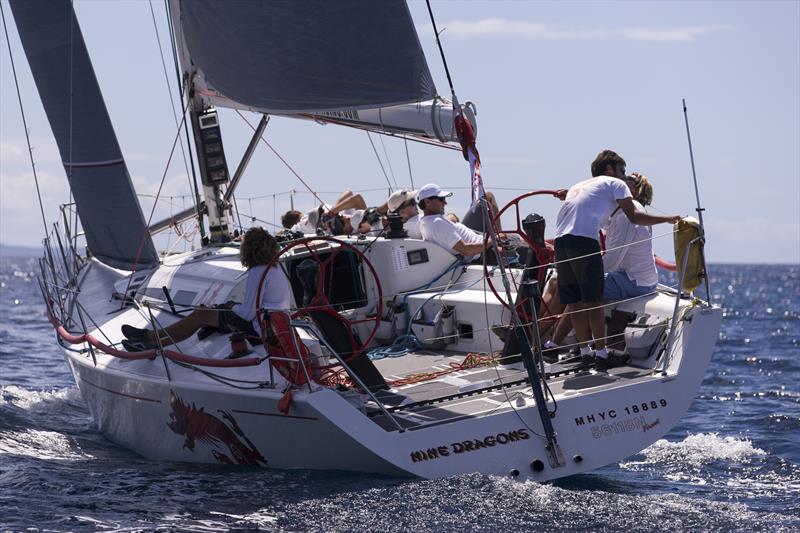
212 163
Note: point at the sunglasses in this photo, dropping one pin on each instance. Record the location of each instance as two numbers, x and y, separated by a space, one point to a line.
407 204
440 198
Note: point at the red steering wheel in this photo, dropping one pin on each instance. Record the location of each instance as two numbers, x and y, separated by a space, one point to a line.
544 255
319 301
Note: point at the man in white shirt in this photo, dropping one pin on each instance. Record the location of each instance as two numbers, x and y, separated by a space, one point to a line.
404 204
434 227
577 249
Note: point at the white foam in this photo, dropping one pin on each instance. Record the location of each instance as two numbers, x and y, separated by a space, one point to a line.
30 399
40 444
697 450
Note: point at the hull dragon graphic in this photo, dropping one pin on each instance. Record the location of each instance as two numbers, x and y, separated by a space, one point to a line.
231 445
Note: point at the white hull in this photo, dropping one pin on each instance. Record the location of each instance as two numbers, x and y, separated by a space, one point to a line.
601 419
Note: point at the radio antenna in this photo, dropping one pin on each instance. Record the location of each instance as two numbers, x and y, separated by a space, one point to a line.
698 209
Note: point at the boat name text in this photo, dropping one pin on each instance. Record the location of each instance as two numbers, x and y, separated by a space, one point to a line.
469 445
633 409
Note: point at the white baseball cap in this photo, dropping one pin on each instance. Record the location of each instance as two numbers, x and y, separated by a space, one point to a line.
430 190
398 198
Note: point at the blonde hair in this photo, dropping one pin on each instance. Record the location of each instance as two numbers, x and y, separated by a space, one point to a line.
258 248
644 189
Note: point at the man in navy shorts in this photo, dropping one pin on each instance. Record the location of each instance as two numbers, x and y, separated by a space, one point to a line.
577 249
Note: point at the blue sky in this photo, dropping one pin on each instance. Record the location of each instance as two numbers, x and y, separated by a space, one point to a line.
554 83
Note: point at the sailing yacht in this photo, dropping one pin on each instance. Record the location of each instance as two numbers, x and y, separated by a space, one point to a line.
405 359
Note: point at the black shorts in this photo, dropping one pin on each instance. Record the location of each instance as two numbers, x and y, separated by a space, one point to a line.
579 280
230 322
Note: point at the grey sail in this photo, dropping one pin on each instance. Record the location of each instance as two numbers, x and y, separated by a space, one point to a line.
302 57
109 211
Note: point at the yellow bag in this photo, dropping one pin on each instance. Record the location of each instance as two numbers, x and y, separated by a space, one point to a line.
686 230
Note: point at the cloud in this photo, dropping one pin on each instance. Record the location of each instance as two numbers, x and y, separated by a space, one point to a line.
20 217
510 29
11 152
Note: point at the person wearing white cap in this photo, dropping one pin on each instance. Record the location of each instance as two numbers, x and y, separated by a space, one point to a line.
363 221
454 237
404 203
324 216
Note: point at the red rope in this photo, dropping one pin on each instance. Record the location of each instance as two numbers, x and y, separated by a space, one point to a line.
472 360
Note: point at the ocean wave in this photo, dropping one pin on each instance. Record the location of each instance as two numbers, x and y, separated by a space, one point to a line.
697 450
39 444
37 400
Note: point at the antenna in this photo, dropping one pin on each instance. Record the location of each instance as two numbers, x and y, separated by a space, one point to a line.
698 209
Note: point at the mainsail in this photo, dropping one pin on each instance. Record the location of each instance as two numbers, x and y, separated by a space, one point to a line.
107 205
285 57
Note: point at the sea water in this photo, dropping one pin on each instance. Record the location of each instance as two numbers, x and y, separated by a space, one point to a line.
732 462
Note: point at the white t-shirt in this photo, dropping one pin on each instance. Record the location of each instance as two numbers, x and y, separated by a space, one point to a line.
412 227
588 205
275 294
636 260
305 226
438 229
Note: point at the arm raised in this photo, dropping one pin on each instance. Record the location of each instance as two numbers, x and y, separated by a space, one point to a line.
643 219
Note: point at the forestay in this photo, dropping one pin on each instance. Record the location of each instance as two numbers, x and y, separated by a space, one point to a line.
104 196
302 57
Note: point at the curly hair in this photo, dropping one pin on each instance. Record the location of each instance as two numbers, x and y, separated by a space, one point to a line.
604 159
290 218
644 189
258 248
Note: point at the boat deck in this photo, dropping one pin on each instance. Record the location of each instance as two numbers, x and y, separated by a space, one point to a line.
478 391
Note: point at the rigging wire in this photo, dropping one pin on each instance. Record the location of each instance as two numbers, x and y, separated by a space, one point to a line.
408 160
179 84
24 121
169 88
380 162
274 151
441 51
146 231
71 41
388 162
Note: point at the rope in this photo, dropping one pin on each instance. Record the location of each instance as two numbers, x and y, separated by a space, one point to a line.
409 342
24 121
471 360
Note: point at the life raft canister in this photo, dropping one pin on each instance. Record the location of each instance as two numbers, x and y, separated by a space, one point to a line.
687 230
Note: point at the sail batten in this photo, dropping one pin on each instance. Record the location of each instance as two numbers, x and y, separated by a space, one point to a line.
109 211
313 56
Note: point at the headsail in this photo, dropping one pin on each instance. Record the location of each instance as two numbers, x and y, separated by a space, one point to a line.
284 57
107 205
